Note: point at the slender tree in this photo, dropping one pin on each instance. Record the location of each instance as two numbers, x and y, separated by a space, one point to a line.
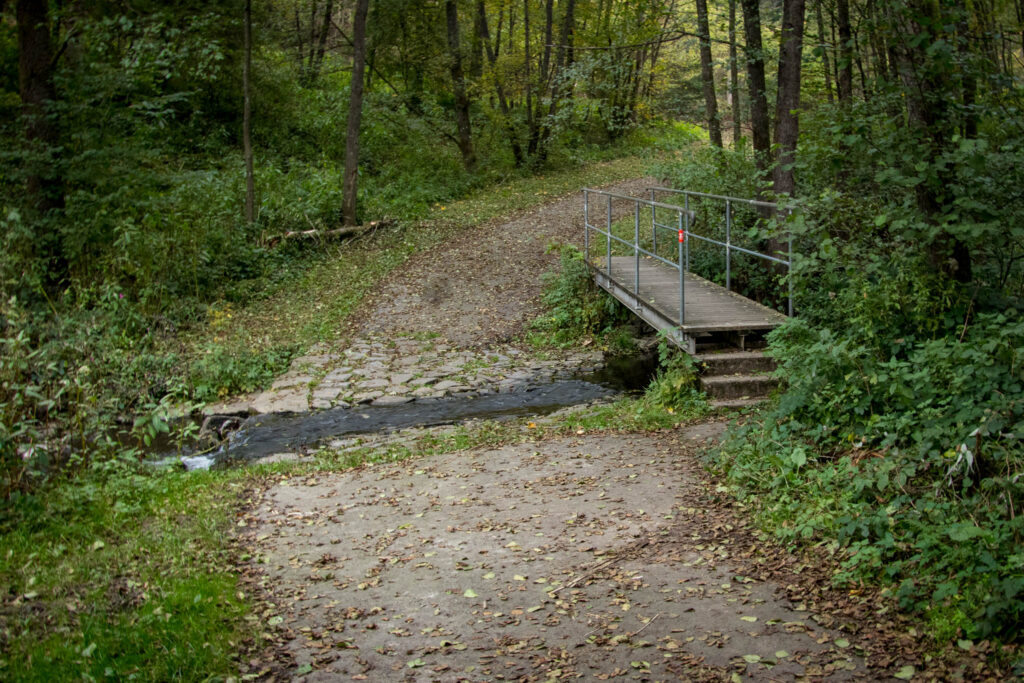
44 182
465 135
707 75
355 112
845 61
250 183
787 103
734 79
759 124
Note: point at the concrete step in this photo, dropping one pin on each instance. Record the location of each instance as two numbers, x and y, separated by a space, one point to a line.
737 386
734 362
737 403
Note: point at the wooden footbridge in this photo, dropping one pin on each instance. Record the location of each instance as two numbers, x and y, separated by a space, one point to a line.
648 253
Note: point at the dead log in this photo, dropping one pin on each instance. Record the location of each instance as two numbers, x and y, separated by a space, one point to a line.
333 233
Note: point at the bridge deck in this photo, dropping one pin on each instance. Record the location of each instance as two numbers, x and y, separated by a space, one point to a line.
709 307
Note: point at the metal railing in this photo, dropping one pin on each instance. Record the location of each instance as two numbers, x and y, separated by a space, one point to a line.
728 244
680 220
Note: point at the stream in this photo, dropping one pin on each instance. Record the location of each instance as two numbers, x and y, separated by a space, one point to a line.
263 435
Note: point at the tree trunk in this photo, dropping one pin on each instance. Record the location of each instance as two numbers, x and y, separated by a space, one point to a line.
492 58
44 184
707 75
734 79
459 84
531 139
787 104
824 51
559 82
928 112
355 112
321 44
759 123
845 81
250 183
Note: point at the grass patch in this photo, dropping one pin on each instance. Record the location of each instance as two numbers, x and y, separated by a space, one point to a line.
123 575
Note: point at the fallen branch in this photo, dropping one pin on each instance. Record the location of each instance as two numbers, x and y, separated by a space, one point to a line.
329 234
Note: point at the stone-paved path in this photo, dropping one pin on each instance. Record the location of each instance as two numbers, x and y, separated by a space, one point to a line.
446 323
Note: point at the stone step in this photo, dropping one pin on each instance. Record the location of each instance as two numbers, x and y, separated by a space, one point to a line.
734 362
737 386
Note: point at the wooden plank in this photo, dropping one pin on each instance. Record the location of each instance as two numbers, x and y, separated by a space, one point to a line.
708 307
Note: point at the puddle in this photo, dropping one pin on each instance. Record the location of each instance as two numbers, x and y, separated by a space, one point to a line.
263 435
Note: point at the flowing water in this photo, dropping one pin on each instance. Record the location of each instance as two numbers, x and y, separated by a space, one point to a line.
263 435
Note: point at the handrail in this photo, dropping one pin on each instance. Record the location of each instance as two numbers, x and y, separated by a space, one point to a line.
752 202
659 205
729 247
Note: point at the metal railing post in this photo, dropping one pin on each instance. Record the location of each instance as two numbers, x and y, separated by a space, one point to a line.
654 225
686 240
682 277
636 247
608 232
728 245
586 226
789 273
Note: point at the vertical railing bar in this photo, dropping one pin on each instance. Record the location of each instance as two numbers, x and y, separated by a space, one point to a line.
654 225
608 232
789 268
636 247
682 289
686 241
586 226
728 245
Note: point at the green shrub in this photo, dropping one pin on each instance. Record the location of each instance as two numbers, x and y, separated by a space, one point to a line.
674 389
576 306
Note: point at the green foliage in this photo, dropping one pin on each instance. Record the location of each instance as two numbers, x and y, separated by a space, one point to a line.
674 389
219 371
576 306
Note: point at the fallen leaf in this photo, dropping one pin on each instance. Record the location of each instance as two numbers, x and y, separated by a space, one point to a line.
905 673
470 593
750 619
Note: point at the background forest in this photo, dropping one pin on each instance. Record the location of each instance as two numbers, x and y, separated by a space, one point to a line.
155 155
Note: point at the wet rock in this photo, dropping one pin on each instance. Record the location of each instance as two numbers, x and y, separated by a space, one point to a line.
391 400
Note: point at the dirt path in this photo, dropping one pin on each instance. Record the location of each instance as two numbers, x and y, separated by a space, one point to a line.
483 287
559 559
